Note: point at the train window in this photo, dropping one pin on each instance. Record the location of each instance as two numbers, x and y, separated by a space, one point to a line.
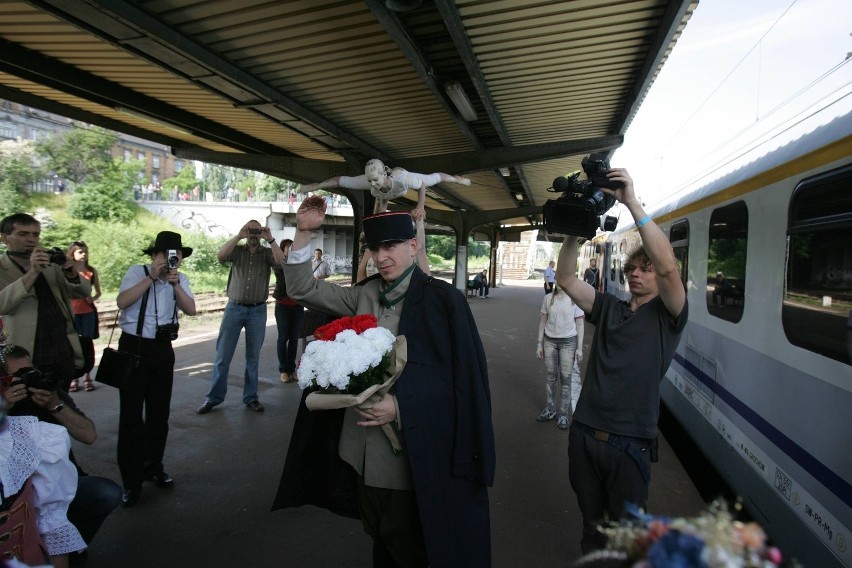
726 261
817 308
679 238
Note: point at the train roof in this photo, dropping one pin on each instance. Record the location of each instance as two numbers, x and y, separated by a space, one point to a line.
805 133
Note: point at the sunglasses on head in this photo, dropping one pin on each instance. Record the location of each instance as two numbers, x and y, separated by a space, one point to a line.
80 244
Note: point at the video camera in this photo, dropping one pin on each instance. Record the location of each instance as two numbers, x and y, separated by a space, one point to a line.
172 258
579 210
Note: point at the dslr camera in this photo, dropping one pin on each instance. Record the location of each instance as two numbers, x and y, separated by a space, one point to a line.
34 378
57 256
172 258
579 210
167 331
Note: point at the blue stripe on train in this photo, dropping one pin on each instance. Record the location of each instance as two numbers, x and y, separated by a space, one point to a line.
833 482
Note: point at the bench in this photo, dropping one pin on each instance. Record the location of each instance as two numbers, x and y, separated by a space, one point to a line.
471 289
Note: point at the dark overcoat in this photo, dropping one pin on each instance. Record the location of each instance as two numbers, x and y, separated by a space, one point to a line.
445 405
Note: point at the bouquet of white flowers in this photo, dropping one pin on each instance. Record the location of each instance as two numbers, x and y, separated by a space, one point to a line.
352 362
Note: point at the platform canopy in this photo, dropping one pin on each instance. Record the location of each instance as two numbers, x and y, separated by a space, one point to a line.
309 89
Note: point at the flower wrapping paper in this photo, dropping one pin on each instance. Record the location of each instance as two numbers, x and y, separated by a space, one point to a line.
367 398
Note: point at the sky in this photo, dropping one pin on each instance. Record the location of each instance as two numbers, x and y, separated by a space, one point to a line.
735 62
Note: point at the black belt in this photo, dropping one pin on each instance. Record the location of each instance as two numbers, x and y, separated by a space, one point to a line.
608 437
249 305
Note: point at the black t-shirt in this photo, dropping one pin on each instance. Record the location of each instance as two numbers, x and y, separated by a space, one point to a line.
591 276
628 359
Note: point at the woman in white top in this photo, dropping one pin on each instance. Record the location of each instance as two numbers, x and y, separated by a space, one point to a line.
560 344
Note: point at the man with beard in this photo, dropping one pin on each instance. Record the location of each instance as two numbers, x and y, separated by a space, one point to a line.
248 289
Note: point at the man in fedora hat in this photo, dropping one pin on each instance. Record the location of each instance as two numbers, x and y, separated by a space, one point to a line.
428 505
248 289
149 297
35 293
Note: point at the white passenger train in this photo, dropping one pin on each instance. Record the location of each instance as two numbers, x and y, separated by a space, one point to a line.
762 379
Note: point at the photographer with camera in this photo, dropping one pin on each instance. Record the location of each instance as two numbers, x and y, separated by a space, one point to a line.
149 298
34 393
36 286
613 434
248 290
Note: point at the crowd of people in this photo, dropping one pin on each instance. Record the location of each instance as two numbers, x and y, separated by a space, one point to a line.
424 506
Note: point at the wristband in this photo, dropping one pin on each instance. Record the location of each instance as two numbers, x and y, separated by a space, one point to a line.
643 221
271 241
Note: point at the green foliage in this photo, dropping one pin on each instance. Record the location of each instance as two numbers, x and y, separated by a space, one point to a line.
184 180
727 256
80 154
270 188
17 169
444 246
107 197
10 198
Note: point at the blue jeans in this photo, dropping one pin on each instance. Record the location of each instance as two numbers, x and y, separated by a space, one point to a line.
288 319
96 498
559 362
236 318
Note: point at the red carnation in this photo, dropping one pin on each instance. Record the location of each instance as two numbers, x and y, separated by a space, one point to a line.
358 324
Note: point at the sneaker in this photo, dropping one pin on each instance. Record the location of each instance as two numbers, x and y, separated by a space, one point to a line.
562 422
546 415
285 378
255 406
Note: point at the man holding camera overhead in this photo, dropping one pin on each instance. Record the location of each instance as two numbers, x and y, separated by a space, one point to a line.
149 298
612 437
248 289
35 290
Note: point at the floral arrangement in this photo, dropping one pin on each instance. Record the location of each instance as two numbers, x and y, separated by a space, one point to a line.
353 362
349 355
711 540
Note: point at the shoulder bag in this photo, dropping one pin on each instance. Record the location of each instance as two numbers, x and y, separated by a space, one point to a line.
118 368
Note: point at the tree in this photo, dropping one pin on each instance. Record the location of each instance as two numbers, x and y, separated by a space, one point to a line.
80 154
18 169
184 180
106 198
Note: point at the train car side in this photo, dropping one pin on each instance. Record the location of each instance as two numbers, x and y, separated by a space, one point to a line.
762 380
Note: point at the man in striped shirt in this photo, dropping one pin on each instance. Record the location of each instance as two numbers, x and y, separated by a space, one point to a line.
248 289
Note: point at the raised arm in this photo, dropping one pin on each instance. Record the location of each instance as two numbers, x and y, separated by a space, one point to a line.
566 276
656 244
228 247
330 183
419 215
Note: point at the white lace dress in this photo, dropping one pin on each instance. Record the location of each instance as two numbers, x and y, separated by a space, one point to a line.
40 449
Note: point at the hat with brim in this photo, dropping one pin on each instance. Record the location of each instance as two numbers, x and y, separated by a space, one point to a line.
168 240
392 226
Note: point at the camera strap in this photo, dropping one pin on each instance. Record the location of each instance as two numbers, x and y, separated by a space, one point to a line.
144 306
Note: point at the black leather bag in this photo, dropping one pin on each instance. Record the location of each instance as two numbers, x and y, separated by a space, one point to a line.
118 369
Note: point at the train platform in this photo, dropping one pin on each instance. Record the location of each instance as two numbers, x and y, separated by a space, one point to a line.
227 464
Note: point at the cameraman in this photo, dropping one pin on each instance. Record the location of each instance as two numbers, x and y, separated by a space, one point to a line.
149 297
96 497
35 298
614 429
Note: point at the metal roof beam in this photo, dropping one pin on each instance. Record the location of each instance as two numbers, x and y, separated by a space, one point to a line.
26 64
493 158
186 58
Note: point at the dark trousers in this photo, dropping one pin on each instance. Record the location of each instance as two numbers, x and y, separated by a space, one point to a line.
548 287
605 475
288 319
96 498
391 517
143 424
